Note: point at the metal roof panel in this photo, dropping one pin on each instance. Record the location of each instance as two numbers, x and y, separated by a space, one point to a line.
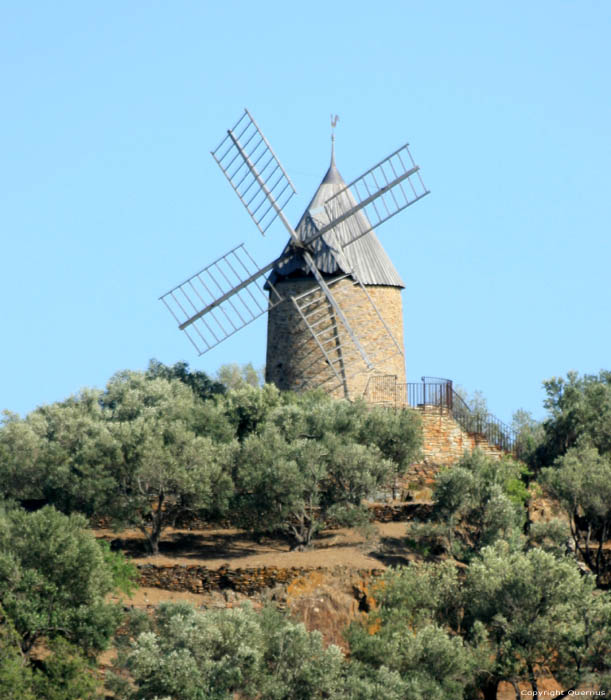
365 257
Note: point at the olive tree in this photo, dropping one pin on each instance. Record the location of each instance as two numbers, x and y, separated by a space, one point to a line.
21 450
507 616
396 434
307 460
220 654
165 471
579 412
413 631
78 455
477 501
131 395
529 611
54 580
247 407
60 453
174 453
296 487
581 481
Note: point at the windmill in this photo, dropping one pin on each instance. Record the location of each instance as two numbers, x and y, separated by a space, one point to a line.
232 291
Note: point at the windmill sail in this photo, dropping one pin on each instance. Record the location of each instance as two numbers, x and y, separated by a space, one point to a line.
253 170
220 299
380 193
341 358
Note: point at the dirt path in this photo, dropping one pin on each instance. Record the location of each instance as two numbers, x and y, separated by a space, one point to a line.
234 549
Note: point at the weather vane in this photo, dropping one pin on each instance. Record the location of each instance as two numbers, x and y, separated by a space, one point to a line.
334 120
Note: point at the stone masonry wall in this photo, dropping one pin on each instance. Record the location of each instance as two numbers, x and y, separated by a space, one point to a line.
201 579
445 442
294 360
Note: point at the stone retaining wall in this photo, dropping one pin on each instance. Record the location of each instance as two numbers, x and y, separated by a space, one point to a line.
444 442
400 512
201 579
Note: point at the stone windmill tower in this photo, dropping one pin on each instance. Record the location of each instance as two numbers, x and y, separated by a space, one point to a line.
333 295
365 283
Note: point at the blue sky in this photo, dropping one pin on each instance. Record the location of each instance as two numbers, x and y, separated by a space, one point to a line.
109 196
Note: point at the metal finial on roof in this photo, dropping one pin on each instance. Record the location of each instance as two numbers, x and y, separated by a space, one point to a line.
334 120
333 175
365 256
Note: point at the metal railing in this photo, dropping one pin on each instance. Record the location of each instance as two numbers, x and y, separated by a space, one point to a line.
431 391
439 393
483 423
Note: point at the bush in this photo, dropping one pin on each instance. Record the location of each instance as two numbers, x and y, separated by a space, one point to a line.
54 580
185 654
476 502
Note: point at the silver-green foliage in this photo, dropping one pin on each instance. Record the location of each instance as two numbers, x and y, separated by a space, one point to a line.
476 502
147 450
537 611
507 617
54 579
142 452
186 654
413 632
312 460
191 655
581 481
297 486
172 453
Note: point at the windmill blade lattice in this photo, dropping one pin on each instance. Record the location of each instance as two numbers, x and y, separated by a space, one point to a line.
254 171
381 192
335 359
220 299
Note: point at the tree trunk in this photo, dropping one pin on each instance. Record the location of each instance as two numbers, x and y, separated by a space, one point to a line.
490 689
153 544
297 534
533 679
588 555
599 555
157 526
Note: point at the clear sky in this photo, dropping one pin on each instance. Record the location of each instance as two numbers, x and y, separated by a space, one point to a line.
109 196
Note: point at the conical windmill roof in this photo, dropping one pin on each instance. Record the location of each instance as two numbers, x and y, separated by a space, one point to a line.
365 257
